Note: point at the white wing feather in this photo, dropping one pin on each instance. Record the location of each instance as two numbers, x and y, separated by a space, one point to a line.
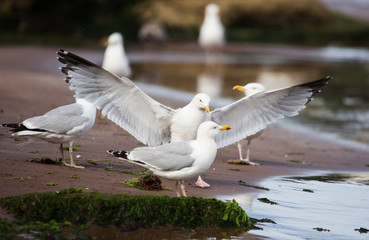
120 100
249 115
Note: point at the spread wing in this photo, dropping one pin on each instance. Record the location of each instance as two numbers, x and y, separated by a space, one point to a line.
120 100
249 115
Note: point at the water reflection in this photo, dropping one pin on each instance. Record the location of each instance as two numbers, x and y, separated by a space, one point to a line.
334 202
342 108
159 233
210 82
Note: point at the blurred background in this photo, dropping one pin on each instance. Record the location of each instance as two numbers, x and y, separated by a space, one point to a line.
278 43
303 22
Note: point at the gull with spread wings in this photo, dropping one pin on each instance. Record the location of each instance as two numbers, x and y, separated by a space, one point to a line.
154 124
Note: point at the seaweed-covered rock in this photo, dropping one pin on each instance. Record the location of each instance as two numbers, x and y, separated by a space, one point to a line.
126 210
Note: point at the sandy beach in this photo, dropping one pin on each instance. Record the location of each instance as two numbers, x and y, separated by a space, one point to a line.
31 84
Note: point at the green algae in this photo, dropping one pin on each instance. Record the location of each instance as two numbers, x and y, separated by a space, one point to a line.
10 230
266 200
362 230
319 229
72 205
50 184
307 190
20 179
240 182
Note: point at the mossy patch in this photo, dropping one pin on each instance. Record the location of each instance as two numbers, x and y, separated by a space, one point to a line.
94 162
107 168
362 230
46 161
266 200
77 207
307 190
21 179
147 182
240 182
295 161
51 184
319 229
40 230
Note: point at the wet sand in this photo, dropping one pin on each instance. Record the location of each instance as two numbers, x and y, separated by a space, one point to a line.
31 84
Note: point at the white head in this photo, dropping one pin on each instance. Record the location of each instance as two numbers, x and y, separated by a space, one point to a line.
115 38
210 129
250 88
201 101
211 9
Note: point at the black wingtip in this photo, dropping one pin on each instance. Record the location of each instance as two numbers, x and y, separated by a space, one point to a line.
315 86
119 154
16 127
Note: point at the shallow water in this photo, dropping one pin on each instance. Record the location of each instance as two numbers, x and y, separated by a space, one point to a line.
341 109
337 203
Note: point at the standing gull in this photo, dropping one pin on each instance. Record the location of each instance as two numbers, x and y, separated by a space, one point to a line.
153 123
211 31
211 35
192 158
249 89
60 125
115 58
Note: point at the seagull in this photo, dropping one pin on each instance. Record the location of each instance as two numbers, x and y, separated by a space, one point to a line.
178 160
60 125
115 58
249 89
154 124
212 30
211 34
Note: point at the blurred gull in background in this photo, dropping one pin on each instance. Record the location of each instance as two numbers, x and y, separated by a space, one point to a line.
152 32
192 157
115 58
60 125
212 31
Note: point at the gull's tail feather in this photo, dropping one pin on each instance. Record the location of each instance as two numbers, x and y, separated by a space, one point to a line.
16 127
19 129
120 154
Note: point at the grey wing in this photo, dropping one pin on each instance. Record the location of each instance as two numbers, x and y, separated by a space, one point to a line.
120 100
57 123
249 115
167 157
73 109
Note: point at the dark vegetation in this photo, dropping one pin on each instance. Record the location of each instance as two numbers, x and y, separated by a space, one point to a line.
304 22
72 206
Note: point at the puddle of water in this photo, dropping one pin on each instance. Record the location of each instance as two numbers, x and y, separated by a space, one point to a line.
341 109
335 202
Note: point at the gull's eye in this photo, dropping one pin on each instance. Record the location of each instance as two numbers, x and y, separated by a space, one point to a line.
214 127
200 100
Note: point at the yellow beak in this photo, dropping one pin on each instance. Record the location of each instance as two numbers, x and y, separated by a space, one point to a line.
239 88
207 108
224 127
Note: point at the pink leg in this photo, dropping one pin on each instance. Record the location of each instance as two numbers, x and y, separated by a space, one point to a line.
201 183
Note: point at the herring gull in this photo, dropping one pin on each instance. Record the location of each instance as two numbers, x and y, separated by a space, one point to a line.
115 58
211 31
60 125
178 160
249 89
211 36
